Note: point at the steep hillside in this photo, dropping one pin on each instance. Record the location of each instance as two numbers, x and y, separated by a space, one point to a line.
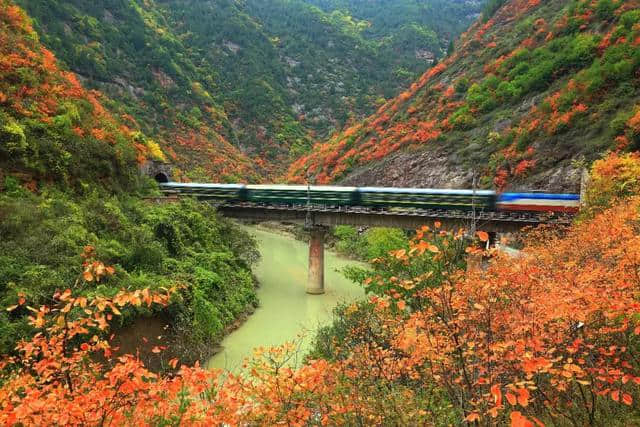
408 21
51 128
205 78
128 52
69 202
534 90
344 58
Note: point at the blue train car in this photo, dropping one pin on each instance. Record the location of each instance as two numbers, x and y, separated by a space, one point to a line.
539 202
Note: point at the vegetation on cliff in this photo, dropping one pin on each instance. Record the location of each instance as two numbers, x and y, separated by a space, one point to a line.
69 178
231 90
532 87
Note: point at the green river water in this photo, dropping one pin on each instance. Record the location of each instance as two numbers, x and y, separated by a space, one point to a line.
285 311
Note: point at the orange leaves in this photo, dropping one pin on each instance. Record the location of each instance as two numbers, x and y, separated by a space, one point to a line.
99 134
422 246
87 276
13 15
94 270
65 295
474 416
523 397
400 254
523 166
496 394
535 365
634 122
54 379
519 420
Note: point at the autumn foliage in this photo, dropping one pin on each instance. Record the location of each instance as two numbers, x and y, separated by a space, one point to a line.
53 128
613 178
548 337
520 91
37 94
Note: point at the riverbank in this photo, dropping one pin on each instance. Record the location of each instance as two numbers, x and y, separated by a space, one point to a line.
285 311
281 251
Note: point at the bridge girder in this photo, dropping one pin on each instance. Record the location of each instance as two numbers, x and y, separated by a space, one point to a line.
404 220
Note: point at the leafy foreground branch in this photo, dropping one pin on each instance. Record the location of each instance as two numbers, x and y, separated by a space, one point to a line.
549 338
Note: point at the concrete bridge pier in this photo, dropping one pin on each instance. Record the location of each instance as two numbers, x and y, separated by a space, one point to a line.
315 282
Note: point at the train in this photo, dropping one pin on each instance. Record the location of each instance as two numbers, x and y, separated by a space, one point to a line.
381 197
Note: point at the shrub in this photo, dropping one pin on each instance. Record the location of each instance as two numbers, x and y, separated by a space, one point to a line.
151 246
462 119
613 178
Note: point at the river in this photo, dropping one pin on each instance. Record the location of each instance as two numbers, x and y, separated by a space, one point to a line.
286 311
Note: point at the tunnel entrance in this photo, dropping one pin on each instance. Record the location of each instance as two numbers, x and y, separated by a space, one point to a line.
161 178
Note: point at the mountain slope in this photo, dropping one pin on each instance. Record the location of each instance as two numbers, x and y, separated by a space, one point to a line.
51 128
528 96
126 51
344 58
397 19
70 192
208 78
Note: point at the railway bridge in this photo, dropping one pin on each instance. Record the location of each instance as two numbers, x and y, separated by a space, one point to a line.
318 217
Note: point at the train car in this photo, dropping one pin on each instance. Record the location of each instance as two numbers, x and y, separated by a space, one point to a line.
220 192
539 202
302 194
424 198
380 197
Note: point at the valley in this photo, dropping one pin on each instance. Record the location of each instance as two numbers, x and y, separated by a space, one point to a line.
141 141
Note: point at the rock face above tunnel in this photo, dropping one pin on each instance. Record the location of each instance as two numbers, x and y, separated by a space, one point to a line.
159 171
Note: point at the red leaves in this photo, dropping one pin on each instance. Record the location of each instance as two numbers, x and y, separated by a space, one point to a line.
523 397
496 394
615 395
519 420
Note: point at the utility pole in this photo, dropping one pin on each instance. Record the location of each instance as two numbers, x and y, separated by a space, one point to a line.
308 223
473 204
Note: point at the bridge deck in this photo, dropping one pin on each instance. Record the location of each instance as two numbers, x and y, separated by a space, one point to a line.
402 218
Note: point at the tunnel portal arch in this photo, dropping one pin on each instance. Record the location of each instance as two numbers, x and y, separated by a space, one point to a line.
161 172
161 178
